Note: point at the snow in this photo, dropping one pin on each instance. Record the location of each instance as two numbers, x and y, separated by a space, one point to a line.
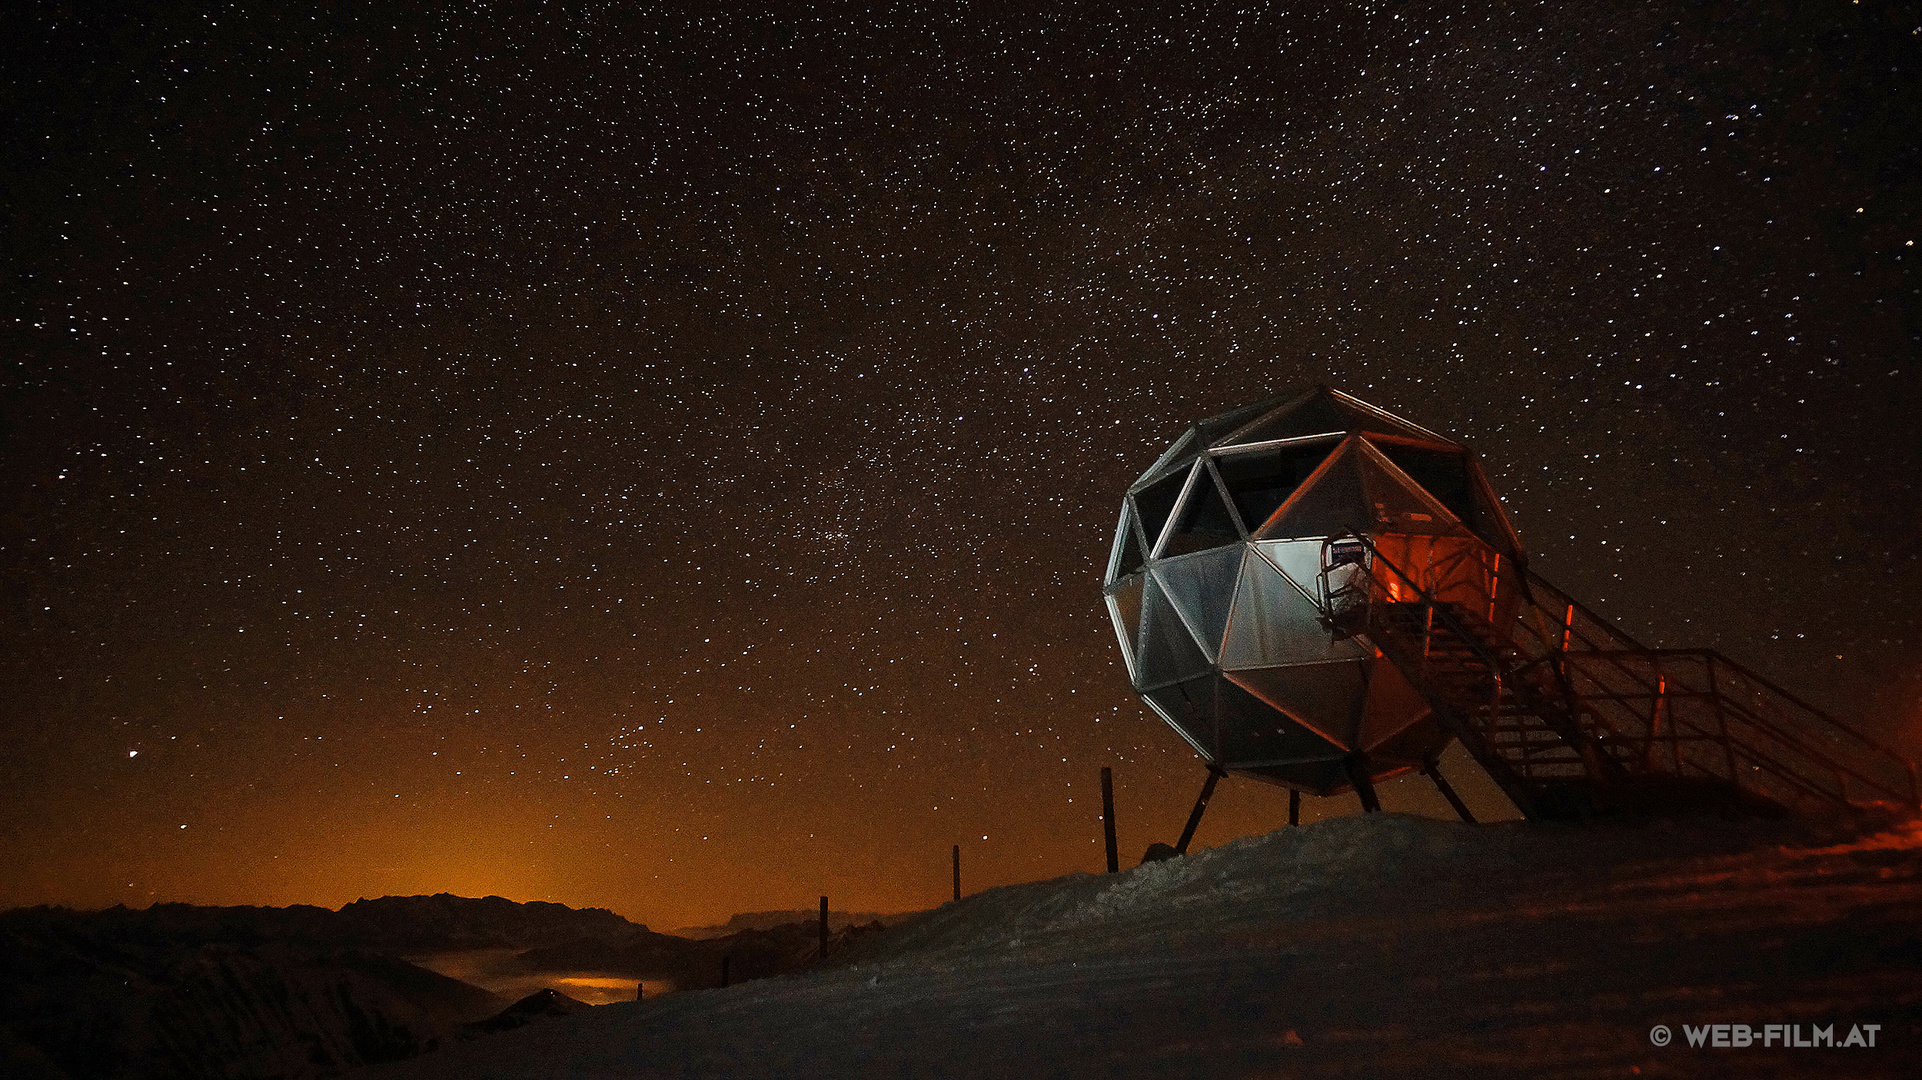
1371 945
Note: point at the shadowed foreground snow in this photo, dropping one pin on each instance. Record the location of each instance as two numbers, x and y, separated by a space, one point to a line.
1372 946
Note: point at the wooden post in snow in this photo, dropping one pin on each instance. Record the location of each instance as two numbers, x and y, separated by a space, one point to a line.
957 871
824 926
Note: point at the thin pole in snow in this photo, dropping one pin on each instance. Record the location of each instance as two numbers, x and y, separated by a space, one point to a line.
1107 818
824 926
957 871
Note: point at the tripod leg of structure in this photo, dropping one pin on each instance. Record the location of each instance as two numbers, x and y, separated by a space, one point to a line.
1294 806
1433 772
1358 776
1201 804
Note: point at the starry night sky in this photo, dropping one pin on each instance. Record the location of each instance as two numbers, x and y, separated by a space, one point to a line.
664 461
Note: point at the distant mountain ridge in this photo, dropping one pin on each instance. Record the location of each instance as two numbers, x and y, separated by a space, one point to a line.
768 920
393 923
178 990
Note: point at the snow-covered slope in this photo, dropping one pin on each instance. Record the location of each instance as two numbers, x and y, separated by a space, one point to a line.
1379 945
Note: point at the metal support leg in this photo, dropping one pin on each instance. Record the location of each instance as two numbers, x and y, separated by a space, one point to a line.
1294 807
1358 776
1201 804
1433 772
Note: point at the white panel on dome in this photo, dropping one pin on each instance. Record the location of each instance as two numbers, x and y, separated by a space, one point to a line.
1272 621
1168 652
1202 589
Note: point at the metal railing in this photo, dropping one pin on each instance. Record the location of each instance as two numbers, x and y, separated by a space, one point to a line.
1541 688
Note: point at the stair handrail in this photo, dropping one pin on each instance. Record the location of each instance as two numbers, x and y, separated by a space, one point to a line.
1602 768
1746 716
1824 722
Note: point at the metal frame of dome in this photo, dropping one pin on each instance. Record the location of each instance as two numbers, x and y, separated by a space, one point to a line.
1227 559
1318 593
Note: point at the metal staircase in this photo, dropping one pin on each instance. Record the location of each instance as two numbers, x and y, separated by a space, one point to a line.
1574 719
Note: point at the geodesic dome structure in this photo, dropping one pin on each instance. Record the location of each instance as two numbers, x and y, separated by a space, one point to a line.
1228 573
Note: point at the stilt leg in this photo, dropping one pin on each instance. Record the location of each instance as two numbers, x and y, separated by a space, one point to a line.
1201 804
1358 776
1294 807
1434 773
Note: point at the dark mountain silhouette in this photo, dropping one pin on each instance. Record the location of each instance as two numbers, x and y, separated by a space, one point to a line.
690 965
535 1006
179 990
768 920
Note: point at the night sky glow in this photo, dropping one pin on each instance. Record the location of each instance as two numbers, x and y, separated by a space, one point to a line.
665 461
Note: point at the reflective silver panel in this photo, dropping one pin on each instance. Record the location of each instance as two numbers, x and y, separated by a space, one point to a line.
1202 588
1225 638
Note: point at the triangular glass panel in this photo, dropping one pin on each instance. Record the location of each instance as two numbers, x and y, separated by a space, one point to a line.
1314 414
1272 622
1202 589
1270 410
1155 502
1366 417
1203 521
1126 558
1331 503
1400 505
1443 475
1259 481
1124 607
1168 652
1218 428
1253 731
1327 698
1300 562
1189 708
1176 456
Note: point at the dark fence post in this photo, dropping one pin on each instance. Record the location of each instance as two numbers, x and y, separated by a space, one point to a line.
1107 817
957 871
824 926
